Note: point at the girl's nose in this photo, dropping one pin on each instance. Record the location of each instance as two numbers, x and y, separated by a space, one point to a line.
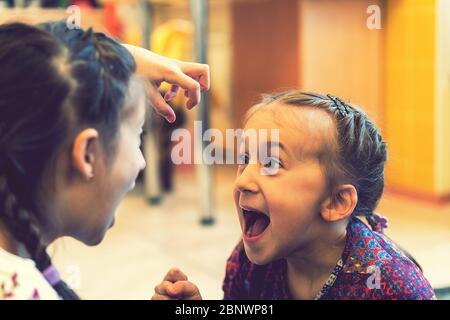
246 180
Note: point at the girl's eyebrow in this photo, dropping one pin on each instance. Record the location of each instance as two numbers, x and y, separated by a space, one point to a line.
280 145
299 154
277 144
270 144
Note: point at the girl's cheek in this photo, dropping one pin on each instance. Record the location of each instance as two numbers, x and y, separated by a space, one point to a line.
136 161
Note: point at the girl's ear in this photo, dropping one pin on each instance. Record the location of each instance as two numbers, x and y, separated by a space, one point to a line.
83 152
341 204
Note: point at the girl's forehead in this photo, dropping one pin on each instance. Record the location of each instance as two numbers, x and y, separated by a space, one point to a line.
135 102
302 130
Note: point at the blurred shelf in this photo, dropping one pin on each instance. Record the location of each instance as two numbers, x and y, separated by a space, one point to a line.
32 15
177 3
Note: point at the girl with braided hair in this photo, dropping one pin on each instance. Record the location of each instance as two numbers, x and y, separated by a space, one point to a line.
302 236
72 107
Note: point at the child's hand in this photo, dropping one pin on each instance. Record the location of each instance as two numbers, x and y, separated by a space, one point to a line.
188 76
175 285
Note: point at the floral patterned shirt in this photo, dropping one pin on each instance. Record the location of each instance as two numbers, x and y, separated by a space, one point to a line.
21 280
372 267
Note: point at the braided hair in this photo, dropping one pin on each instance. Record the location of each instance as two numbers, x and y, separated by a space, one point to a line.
52 81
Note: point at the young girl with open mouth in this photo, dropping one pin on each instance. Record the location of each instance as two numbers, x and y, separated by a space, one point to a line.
302 236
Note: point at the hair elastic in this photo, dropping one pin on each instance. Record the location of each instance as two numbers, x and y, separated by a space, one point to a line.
51 274
382 222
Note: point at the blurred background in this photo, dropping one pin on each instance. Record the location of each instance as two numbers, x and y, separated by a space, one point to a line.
391 57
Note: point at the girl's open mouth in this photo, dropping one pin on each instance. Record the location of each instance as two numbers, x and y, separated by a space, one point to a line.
255 223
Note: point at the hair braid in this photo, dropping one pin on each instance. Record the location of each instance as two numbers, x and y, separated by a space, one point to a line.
25 229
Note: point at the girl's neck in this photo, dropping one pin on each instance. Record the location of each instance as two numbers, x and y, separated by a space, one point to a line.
309 269
10 244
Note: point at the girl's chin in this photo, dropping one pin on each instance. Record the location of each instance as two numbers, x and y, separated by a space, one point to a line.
259 261
99 236
94 240
258 258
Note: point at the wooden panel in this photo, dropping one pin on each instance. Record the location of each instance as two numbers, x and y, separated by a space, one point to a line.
265 51
340 55
410 94
442 114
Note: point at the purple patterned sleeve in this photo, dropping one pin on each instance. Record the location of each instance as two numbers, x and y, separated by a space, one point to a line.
233 284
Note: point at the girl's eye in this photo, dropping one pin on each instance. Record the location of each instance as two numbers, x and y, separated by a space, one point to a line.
273 164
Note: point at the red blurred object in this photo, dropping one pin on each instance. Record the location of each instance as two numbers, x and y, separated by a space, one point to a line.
112 21
85 3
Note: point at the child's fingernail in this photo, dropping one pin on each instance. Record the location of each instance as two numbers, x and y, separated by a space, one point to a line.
171 118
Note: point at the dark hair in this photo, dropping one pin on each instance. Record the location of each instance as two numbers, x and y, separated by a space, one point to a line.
358 154
53 81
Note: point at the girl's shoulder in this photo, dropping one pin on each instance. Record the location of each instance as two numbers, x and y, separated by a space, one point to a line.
21 280
375 267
